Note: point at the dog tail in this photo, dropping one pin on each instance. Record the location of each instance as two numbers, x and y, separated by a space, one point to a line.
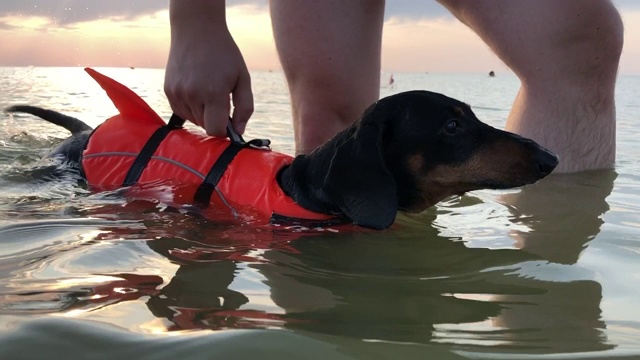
72 124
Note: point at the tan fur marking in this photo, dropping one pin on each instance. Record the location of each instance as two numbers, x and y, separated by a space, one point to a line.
504 162
415 162
458 111
501 162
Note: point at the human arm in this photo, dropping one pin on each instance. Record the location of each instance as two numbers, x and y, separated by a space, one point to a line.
205 70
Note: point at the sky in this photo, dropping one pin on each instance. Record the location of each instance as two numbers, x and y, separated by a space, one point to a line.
419 35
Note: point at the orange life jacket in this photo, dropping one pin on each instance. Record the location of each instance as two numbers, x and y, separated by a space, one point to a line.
183 157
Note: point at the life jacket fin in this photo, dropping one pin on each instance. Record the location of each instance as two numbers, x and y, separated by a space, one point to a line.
128 103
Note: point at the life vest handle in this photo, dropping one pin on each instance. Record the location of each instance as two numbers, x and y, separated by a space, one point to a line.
233 135
262 144
175 122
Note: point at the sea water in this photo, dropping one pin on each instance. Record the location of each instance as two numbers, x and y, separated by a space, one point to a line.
551 270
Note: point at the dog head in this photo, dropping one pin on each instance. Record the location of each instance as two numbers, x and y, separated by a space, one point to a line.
413 149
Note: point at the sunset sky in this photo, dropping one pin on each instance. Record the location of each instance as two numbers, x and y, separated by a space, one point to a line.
419 35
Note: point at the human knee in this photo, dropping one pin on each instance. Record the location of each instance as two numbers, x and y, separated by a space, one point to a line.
587 45
321 105
585 37
547 37
333 94
603 32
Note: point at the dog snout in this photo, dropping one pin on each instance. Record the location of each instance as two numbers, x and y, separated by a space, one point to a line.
546 161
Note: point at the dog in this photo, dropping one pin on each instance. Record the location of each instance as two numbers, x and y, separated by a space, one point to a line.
407 152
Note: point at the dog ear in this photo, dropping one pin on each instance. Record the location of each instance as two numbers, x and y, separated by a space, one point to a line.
358 179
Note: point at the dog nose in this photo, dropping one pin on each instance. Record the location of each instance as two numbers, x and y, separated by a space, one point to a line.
547 161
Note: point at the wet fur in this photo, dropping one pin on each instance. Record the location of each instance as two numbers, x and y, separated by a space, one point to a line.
403 154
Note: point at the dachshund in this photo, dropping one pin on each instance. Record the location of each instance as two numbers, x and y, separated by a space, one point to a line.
407 152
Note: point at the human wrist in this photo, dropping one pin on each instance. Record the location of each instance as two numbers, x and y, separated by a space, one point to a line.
197 17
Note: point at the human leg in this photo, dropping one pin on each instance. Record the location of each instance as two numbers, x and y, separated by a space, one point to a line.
566 55
330 53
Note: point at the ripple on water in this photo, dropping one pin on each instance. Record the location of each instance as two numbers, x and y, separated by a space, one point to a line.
488 273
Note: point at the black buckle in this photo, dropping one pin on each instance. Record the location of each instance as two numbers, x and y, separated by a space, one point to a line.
262 144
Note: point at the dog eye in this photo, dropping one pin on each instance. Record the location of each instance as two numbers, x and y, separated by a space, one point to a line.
452 127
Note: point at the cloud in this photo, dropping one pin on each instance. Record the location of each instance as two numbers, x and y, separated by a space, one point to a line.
400 9
627 4
69 12
66 12
261 4
415 10
5 26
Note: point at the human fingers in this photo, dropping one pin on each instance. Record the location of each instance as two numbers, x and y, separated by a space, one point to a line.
216 117
182 104
242 102
197 111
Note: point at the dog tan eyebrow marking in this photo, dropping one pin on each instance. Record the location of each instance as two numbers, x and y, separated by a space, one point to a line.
458 111
415 162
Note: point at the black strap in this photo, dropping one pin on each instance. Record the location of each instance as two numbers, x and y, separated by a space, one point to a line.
141 161
176 122
205 190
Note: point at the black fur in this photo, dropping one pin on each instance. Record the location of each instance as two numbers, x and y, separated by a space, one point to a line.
70 150
363 172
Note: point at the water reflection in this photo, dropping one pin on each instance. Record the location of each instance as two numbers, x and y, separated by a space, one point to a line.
564 212
413 285
565 316
408 284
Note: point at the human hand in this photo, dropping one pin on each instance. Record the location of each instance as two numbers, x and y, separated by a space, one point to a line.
203 70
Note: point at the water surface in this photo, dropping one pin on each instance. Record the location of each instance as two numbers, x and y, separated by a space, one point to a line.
550 271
